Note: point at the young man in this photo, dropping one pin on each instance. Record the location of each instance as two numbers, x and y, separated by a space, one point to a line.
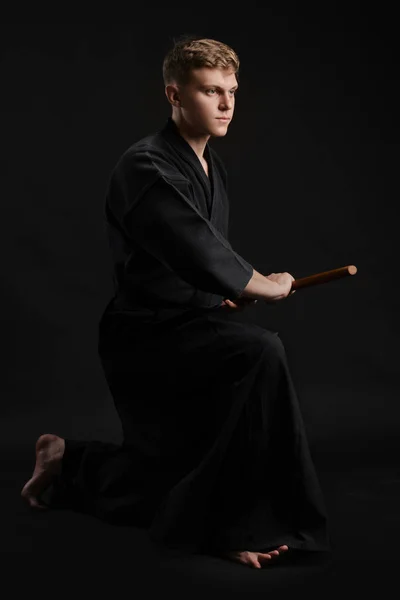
214 457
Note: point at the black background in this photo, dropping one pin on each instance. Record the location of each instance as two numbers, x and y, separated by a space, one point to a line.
312 157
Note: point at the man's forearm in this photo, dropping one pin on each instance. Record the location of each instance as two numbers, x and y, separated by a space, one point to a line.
258 275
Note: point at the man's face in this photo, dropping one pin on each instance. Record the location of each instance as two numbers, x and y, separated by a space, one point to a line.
208 101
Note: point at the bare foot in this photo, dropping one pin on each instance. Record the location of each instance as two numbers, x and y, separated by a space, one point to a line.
49 452
256 560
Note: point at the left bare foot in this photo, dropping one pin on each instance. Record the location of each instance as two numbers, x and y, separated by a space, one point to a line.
49 452
256 560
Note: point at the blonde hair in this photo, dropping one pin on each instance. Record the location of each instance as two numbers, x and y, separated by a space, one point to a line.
194 53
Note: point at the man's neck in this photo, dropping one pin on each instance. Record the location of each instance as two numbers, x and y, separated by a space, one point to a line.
196 142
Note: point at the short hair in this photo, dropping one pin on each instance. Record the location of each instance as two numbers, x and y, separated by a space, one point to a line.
191 52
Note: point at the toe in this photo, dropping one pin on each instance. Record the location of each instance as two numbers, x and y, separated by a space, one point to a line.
264 558
35 503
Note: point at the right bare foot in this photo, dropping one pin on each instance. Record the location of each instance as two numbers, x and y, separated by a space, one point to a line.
49 452
256 560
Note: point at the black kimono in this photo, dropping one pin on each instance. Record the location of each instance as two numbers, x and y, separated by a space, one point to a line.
214 455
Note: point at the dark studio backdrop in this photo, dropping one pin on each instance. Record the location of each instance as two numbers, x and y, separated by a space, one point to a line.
311 156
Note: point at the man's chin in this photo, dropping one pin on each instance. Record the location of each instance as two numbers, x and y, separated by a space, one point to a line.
219 132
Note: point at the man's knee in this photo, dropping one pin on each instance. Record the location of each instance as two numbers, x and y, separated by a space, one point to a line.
272 345
263 343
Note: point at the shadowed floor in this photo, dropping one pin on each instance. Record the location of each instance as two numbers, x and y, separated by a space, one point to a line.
75 553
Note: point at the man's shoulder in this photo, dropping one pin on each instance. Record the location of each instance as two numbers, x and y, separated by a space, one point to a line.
150 154
146 147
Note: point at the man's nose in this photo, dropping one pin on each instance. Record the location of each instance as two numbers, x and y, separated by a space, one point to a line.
226 101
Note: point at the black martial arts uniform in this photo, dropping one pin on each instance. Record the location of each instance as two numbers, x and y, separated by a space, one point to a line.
214 454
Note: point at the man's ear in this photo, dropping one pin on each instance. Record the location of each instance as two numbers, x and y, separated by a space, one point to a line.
173 95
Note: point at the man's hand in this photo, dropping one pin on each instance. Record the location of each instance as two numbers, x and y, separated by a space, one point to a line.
239 304
284 280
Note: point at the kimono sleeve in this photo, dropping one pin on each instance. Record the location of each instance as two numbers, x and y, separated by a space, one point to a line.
169 227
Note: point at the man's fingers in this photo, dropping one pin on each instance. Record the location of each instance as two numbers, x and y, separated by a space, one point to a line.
232 304
241 303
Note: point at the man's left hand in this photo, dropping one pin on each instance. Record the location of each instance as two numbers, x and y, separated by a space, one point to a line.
239 304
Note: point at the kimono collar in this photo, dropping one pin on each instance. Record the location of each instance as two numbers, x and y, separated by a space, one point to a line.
172 134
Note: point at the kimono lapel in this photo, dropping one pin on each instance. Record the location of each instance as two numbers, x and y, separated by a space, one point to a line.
186 152
210 180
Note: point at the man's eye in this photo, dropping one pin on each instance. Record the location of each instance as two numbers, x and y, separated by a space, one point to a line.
211 91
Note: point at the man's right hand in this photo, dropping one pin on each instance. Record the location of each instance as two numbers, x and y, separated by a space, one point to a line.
270 288
284 281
